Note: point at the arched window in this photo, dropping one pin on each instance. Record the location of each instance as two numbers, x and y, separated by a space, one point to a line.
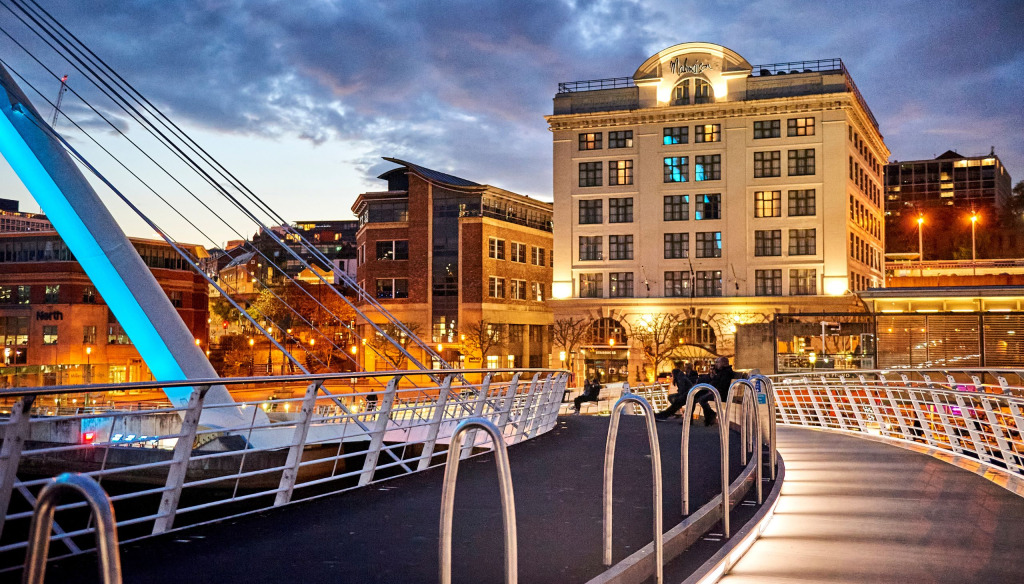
694 331
702 92
681 93
604 329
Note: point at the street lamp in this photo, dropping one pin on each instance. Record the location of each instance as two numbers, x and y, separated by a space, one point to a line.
920 245
974 247
252 358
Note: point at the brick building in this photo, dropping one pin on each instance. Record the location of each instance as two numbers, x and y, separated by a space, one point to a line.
467 265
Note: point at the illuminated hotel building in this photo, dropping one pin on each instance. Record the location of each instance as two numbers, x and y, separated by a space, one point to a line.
712 188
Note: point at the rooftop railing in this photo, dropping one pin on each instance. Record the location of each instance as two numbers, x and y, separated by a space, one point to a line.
595 84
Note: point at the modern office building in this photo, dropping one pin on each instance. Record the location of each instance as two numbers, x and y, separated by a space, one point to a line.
708 187
56 329
467 265
945 193
12 220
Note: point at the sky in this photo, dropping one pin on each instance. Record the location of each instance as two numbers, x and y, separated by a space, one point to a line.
300 99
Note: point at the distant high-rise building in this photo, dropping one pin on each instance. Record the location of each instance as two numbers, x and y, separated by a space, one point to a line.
14 221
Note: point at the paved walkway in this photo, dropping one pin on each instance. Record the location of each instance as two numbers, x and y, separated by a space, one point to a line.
854 510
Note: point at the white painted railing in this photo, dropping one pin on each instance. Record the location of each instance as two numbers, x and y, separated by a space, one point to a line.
165 469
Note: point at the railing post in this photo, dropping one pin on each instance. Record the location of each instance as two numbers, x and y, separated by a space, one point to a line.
972 433
723 442
533 419
435 423
522 422
291 471
179 462
478 412
751 395
1009 457
507 402
15 434
377 435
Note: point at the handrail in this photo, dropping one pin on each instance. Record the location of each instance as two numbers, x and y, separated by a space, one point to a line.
772 430
755 417
609 473
723 441
508 503
42 521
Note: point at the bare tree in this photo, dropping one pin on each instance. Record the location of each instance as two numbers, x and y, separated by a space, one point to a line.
569 333
657 336
483 336
392 352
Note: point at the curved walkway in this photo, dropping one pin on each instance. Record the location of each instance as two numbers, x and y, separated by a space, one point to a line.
856 510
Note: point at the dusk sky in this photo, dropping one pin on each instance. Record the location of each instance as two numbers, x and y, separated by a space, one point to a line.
300 99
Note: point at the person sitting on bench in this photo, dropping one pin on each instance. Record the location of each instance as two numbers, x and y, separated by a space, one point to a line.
591 389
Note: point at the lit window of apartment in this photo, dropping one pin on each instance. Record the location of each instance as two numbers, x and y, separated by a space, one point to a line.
50 334
620 285
495 248
802 242
803 282
677 284
766 129
392 288
590 174
676 135
708 207
800 127
620 247
801 203
708 283
492 361
623 139
591 212
677 245
620 210
767 164
708 167
709 244
677 208
801 162
517 290
537 291
518 251
702 91
393 250
88 295
677 169
591 286
768 243
620 172
768 282
768 204
537 256
496 287
52 294
590 141
707 133
590 248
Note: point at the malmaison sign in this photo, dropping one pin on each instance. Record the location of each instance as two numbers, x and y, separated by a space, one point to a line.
681 68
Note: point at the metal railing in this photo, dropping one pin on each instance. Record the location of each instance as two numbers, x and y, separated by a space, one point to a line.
508 501
751 435
609 474
723 442
595 84
332 433
976 413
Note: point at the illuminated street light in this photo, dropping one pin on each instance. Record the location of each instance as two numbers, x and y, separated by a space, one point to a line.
974 247
920 245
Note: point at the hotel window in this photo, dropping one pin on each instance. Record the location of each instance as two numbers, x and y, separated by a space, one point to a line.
496 287
591 212
50 334
768 243
677 207
591 286
385 212
620 172
708 283
681 93
677 246
803 282
623 139
492 361
393 250
52 294
708 207
620 285
89 334
88 295
518 252
702 91
590 174
517 290
677 169
801 162
800 127
767 164
676 135
620 247
766 129
590 248
768 282
709 244
537 291
802 242
707 167
620 210
495 248
392 288
7 295
176 298
707 133
768 204
801 203
677 284
537 256
591 141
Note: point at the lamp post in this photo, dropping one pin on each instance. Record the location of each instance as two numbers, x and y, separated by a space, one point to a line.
920 246
252 360
88 364
974 247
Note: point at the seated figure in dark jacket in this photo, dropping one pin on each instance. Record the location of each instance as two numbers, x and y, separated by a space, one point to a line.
720 378
591 391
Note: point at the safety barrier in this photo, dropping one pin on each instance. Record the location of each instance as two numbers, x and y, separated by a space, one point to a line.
321 434
723 442
508 501
751 436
